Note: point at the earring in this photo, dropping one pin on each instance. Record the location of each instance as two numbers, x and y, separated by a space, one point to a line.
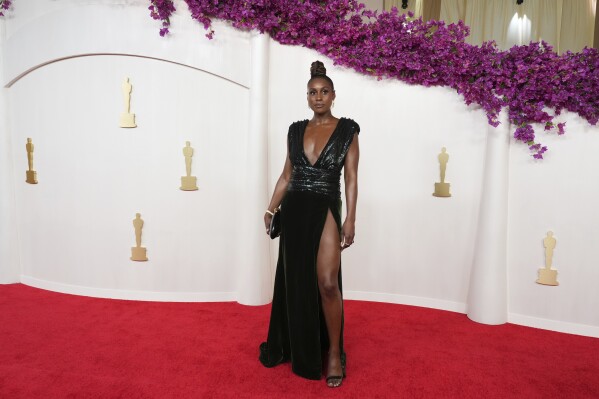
333 105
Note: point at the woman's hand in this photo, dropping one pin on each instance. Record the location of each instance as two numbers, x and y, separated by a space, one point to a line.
348 232
267 219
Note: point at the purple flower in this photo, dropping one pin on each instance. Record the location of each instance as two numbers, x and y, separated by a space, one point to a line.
560 128
4 5
525 133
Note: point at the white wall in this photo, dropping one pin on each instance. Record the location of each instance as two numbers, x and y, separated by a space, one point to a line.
74 228
49 31
94 176
9 256
559 194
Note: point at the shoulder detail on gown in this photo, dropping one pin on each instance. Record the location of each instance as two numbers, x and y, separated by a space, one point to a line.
353 125
297 123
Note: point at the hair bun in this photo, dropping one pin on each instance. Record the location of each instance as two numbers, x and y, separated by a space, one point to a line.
317 69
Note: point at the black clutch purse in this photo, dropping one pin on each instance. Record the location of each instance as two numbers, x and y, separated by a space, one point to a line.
275 224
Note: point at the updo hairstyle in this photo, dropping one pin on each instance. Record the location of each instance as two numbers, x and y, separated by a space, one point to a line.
317 70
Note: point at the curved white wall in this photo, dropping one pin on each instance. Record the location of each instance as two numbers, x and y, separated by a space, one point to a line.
74 228
94 176
93 173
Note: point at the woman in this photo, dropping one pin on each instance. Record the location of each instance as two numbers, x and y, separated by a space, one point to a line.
307 309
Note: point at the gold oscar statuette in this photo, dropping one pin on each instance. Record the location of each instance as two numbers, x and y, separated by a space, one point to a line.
547 275
127 118
442 188
138 253
31 175
188 182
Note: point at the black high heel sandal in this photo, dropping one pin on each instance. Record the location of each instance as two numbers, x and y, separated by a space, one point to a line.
335 381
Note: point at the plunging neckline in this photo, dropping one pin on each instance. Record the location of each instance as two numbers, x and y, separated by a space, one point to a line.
323 148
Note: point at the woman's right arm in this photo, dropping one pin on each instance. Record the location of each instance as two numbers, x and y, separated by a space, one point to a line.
279 191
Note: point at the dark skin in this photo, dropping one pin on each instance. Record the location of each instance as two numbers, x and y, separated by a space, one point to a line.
320 98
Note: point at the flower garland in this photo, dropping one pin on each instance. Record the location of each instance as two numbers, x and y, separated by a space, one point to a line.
4 5
532 82
529 80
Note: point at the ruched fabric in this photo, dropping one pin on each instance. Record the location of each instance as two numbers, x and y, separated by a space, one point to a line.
316 180
297 330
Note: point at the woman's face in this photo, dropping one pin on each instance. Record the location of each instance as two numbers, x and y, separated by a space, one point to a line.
320 95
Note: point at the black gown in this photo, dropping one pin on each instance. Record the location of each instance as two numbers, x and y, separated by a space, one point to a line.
297 330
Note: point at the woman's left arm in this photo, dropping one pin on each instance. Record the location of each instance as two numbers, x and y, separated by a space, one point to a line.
348 231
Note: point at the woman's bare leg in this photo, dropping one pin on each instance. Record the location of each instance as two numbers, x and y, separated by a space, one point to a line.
327 268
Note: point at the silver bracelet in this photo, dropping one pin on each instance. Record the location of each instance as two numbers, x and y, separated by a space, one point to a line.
270 213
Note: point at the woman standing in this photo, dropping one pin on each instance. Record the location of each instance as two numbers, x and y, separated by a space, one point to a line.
307 309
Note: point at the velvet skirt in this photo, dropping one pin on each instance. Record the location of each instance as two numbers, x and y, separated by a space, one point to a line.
297 330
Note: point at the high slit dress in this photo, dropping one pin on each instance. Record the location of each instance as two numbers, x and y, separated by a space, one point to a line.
297 330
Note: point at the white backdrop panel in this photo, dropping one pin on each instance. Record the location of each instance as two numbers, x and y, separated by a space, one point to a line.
94 176
559 194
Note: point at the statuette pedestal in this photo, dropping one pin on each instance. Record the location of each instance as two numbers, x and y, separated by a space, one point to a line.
138 254
31 177
127 120
442 190
189 183
547 277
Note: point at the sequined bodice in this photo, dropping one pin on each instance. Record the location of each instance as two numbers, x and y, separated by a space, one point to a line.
324 176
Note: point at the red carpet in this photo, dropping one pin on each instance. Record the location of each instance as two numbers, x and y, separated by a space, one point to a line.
63 346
